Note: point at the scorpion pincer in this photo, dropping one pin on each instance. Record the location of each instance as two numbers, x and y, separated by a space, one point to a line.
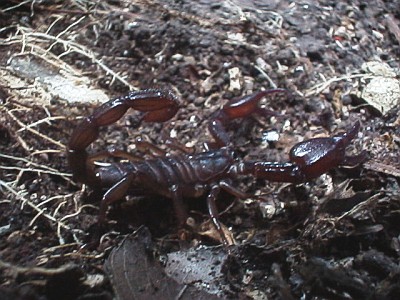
192 175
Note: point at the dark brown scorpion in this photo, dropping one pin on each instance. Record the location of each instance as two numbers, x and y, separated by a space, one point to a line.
192 175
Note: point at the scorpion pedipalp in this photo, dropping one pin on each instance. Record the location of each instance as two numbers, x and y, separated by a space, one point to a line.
237 108
308 159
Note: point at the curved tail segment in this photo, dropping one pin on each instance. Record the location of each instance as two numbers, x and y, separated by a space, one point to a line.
156 106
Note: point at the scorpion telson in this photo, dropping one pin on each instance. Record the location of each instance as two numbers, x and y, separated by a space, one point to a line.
192 175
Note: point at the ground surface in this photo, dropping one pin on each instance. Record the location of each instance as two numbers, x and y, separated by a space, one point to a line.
335 237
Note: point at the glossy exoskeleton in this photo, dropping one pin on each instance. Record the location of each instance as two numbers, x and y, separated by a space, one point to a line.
192 175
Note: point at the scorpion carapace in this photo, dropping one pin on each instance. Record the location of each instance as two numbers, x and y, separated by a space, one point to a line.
192 175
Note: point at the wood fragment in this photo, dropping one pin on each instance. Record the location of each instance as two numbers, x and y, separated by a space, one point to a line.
393 27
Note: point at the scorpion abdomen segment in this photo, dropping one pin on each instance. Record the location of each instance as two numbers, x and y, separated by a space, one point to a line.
211 166
178 170
160 174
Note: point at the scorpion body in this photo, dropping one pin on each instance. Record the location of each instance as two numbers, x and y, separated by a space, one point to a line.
192 175
190 172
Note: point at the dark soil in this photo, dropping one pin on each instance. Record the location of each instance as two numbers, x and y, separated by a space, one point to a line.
336 237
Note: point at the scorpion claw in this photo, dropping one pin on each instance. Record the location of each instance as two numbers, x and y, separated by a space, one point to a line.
245 106
309 159
160 115
241 107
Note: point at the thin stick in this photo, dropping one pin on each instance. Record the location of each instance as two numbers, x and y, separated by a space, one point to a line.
45 120
318 88
271 82
393 27
30 204
20 123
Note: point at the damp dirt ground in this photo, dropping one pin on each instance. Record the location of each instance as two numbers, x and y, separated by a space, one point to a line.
334 237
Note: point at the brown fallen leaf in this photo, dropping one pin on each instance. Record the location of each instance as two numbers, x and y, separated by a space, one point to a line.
382 167
135 273
208 230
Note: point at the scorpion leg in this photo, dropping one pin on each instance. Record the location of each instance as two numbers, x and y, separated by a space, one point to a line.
308 159
149 148
141 145
156 151
228 187
174 144
115 193
213 212
179 206
112 152
212 207
241 107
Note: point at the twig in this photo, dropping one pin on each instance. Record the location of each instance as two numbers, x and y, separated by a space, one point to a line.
271 82
318 88
30 163
26 37
36 270
20 123
16 6
43 168
367 204
78 211
45 120
393 27
30 204
34 170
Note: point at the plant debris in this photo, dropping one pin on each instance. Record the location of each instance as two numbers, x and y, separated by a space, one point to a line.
337 236
135 272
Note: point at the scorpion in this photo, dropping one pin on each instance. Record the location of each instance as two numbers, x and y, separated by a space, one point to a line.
193 174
